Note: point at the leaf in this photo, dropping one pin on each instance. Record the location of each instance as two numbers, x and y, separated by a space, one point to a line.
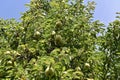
118 53
46 60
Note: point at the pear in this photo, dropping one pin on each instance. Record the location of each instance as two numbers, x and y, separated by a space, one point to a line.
58 24
58 40
49 72
87 65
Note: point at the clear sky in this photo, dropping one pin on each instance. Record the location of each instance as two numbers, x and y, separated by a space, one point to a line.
105 9
12 8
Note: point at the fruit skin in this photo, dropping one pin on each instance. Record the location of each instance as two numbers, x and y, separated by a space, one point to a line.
53 33
9 63
49 72
7 52
78 68
89 79
58 40
87 65
58 24
37 35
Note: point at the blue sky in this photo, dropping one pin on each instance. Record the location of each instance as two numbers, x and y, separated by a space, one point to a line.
105 9
12 8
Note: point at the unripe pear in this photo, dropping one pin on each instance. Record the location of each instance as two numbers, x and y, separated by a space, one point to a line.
78 68
90 79
37 33
9 63
53 32
58 40
49 72
58 24
7 52
87 65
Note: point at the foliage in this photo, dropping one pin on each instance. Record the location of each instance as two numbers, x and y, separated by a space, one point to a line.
58 40
111 49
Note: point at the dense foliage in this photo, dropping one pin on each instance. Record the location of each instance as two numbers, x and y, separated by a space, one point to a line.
58 40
